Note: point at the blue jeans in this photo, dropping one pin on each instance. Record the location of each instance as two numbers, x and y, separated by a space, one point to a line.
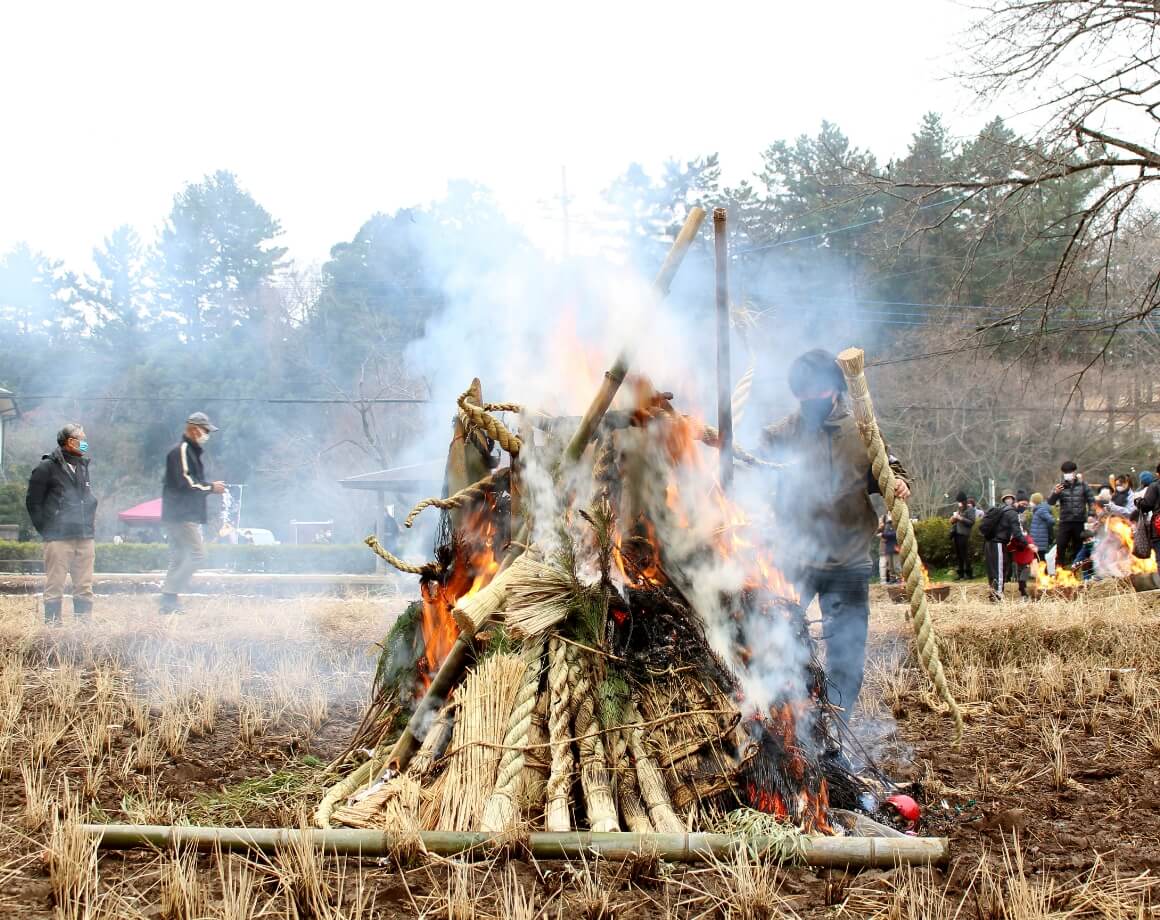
844 596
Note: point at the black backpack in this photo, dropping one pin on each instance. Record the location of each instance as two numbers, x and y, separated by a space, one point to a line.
990 523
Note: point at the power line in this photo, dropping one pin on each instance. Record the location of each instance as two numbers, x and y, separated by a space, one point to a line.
375 401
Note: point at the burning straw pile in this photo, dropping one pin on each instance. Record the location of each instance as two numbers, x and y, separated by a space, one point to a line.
562 671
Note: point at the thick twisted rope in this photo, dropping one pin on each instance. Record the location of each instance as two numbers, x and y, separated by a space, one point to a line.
427 570
851 363
595 782
481 418
499 810
562 672
474 492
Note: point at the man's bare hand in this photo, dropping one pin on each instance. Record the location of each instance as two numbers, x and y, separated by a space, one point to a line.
901 490
218 487
1058 488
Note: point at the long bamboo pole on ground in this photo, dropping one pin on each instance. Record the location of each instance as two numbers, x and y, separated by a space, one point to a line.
822 852
614 377
852 363
724 371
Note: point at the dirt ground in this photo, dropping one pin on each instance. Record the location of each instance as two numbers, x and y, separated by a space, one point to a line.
227 714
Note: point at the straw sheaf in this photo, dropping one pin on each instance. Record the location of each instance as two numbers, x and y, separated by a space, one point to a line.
562 674
539 596
486 699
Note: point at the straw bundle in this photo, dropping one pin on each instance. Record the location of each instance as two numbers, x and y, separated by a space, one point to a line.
394 806
686 717
537 759
652 783
595 780
539 596
500 813
563 674
473 610
485 699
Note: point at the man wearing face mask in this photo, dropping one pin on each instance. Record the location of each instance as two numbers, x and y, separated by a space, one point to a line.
825 515
183 508
62 506
1074 497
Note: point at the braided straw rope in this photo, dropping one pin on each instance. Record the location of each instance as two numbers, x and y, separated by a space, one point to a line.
741 395
409 568
499 812
595 782
473 492
851 361
562 674
479 417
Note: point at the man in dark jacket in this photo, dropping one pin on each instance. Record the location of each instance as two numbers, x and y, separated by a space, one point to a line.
62 506
824 511
962 522
183 508
1000 527
1074 497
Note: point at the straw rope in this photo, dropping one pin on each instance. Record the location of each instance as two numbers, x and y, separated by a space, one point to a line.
499 810
427 570
561 677
652 782
474 492
711 436
599 800
741 395
480 417
851 363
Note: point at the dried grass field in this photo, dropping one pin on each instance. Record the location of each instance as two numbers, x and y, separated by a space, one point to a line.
228 714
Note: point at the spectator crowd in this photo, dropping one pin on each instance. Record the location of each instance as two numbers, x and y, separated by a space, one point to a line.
1070 526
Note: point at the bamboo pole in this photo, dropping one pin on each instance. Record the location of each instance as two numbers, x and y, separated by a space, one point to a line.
821 852
724 371
614 377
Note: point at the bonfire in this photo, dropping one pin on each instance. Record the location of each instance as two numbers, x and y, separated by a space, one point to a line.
603 642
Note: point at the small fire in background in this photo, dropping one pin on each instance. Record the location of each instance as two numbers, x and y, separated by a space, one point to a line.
1121 529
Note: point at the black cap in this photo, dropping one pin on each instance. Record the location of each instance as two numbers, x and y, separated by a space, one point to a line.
814 372
201 420
1022 496
961 497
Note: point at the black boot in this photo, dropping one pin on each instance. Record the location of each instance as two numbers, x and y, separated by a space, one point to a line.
82 608
169 604
52 612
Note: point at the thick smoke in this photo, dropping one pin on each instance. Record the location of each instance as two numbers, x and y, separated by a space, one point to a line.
543 334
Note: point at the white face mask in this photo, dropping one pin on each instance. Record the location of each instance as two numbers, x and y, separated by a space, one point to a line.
1069 477
202 439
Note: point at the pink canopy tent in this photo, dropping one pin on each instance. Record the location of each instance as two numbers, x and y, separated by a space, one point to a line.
145 513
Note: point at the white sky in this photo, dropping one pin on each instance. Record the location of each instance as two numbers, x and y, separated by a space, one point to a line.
331 111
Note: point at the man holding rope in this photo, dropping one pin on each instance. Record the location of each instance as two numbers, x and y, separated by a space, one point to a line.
826 516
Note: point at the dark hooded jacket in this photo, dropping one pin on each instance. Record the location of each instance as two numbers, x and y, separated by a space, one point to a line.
60 498
185 488
823 499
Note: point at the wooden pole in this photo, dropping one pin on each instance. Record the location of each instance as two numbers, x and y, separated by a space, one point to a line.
724 372
822 852
614 377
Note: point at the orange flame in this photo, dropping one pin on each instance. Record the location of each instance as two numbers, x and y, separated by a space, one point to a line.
1121 528
474 566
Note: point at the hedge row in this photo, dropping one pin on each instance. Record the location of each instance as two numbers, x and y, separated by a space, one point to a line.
150 557
933 534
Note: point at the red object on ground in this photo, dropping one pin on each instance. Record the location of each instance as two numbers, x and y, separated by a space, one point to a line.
906 807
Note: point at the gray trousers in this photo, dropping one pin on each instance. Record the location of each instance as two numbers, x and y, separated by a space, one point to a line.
186 554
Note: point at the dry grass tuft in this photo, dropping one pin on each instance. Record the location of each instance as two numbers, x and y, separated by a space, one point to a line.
183 897
72 867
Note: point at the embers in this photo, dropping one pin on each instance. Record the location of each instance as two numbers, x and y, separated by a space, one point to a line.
783 780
